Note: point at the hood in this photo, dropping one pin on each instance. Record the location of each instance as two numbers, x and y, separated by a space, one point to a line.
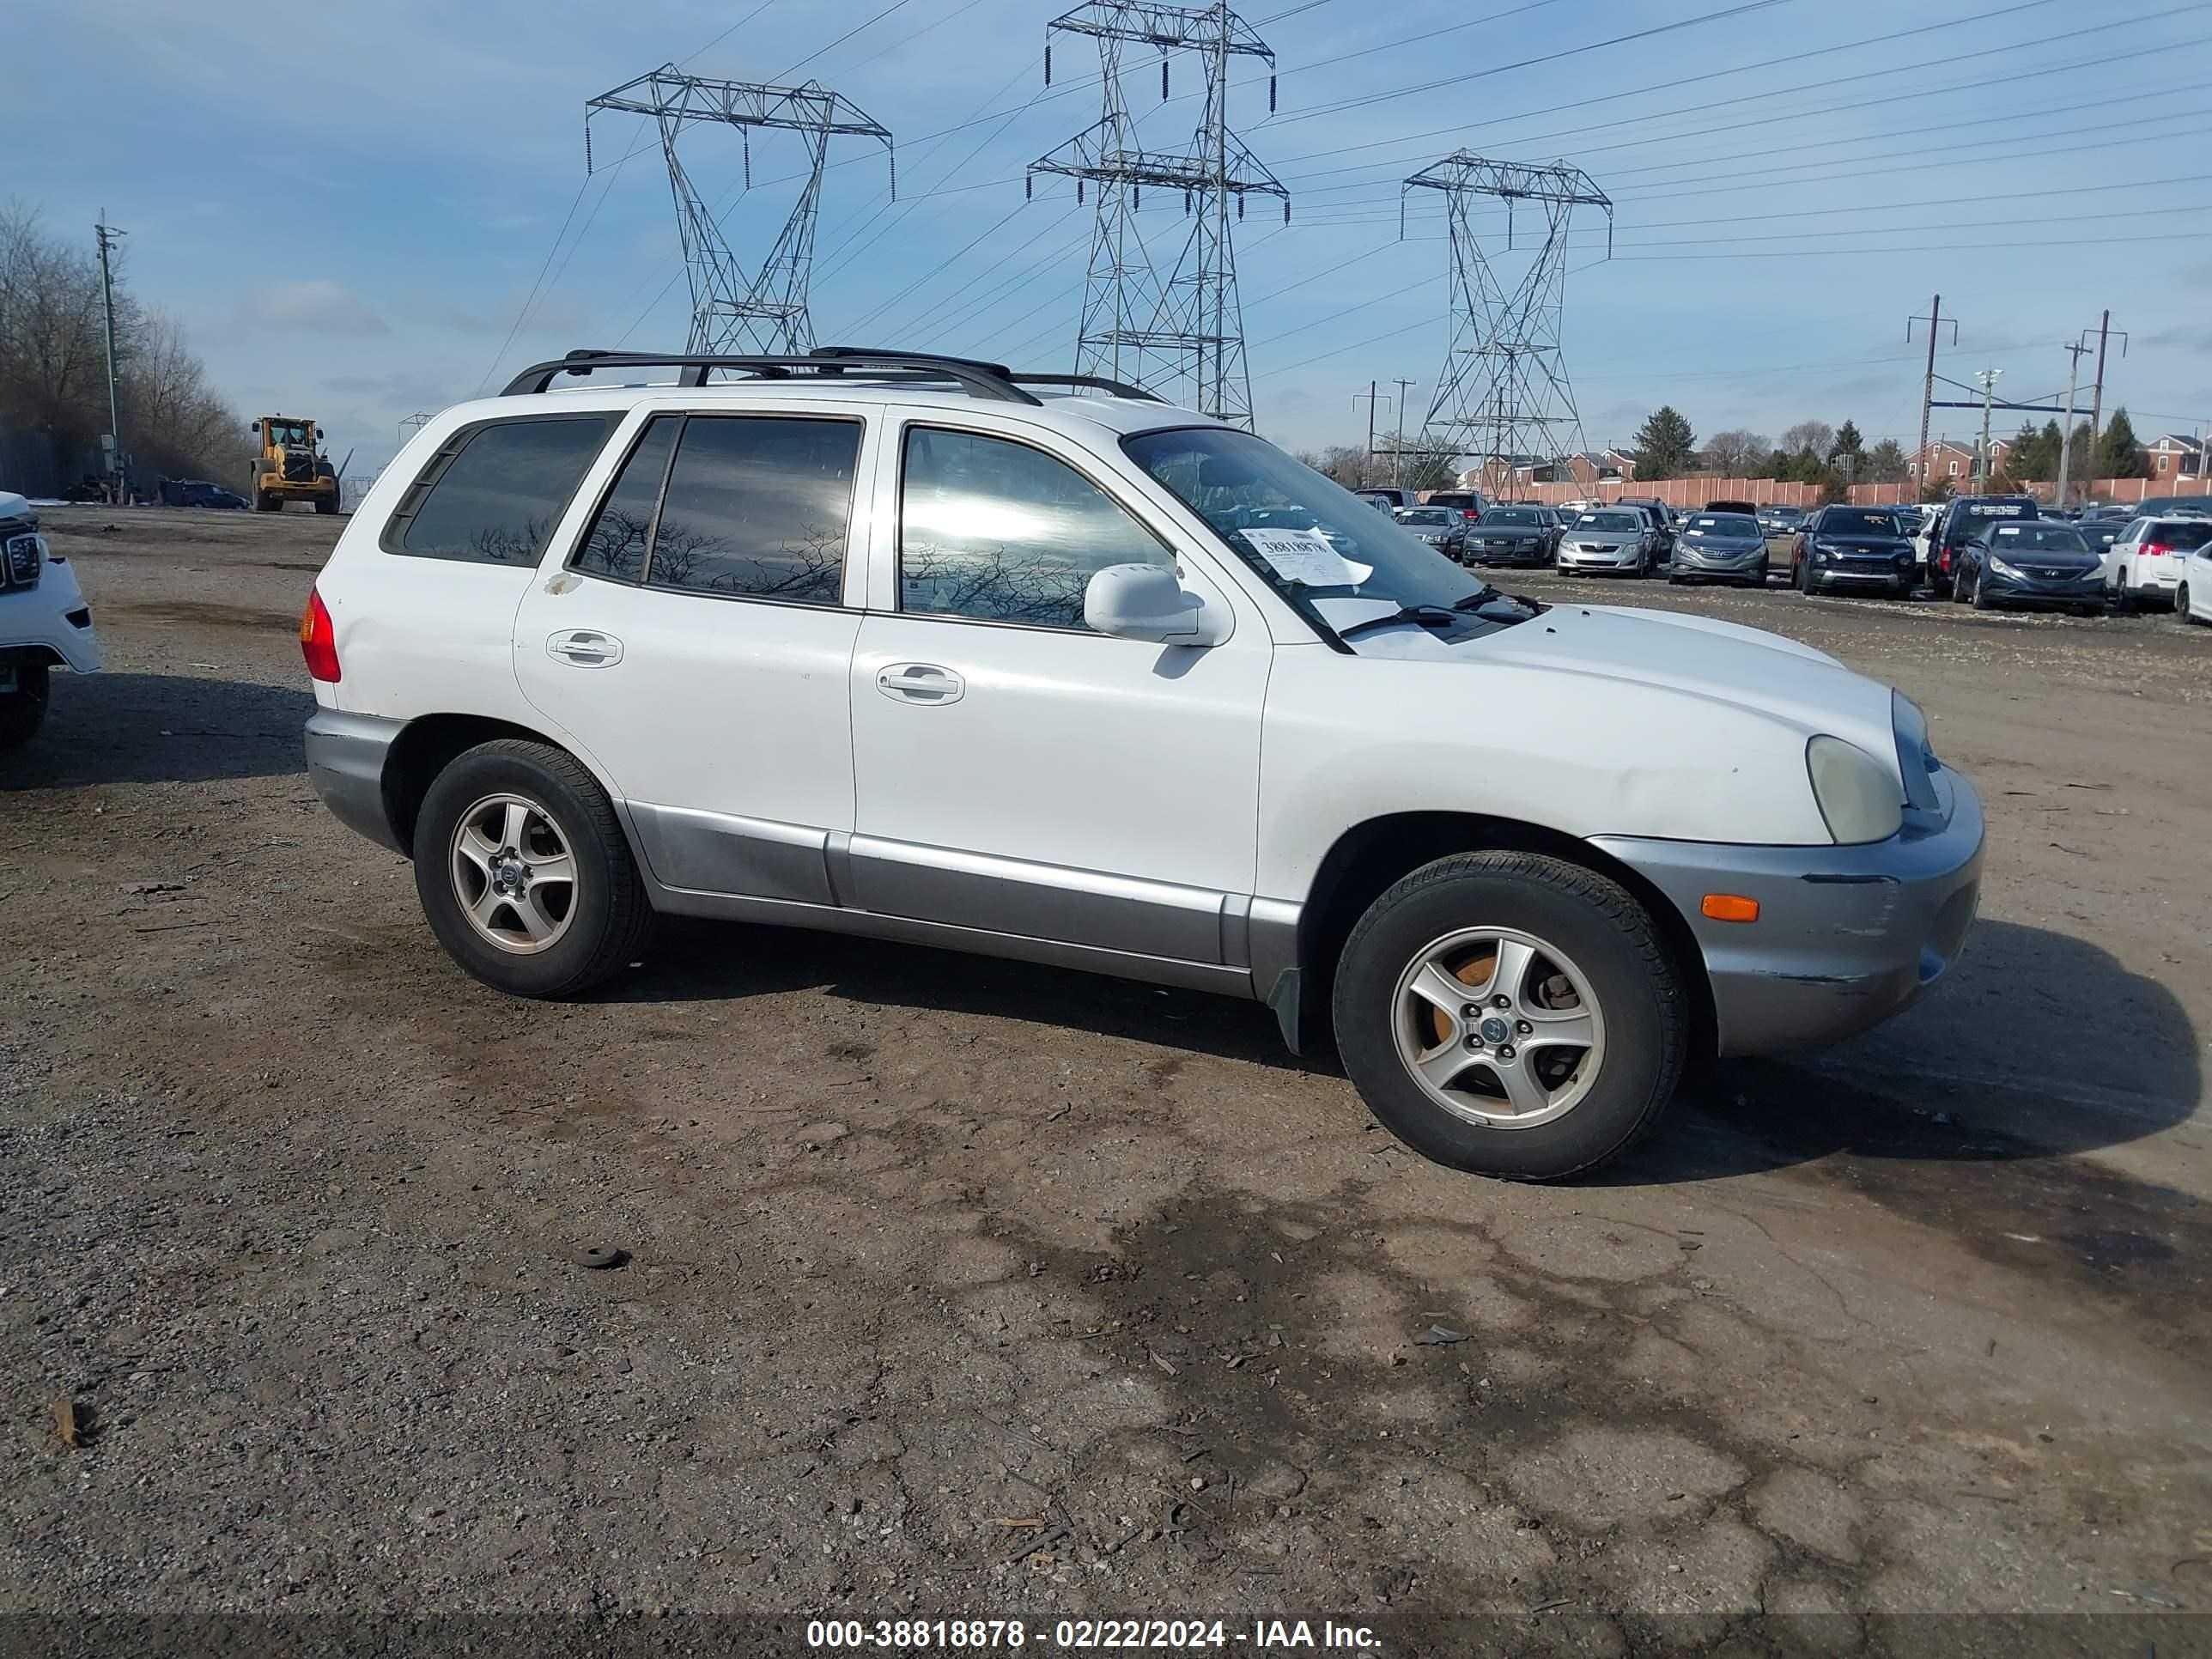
13 505
2050 558
1605 537
1659 651
1705 541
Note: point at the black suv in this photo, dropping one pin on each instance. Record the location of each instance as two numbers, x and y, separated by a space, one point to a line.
1853 547
1958 523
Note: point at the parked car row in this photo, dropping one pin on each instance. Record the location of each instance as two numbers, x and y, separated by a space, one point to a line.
1983 550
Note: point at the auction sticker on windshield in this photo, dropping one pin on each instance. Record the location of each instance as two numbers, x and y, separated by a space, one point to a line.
1305 556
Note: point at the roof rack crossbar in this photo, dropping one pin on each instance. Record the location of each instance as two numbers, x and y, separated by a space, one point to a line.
982 380
1097 382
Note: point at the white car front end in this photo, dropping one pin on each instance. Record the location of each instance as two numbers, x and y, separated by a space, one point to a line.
45 623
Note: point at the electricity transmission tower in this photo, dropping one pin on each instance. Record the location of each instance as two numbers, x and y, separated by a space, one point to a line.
1503 395
766 312
1181 335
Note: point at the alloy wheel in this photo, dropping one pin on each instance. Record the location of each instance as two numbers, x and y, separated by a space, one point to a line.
514 874
1499 1027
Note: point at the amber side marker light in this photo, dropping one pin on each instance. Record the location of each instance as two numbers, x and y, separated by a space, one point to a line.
1730 906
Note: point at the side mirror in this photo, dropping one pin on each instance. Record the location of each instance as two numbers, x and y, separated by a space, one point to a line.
257 426
1149 602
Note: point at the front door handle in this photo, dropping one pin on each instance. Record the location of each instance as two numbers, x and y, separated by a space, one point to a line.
585 647
920 682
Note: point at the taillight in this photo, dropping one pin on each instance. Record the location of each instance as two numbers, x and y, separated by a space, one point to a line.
318 639
2153 549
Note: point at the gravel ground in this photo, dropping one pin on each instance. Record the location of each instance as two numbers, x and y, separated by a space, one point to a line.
956 1288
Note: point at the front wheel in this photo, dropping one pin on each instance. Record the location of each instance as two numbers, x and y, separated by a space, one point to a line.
524 873
1510 1014
23 710
1982 601
2181 606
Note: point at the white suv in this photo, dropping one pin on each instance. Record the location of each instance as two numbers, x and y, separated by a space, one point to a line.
2146 561
45 623
923 650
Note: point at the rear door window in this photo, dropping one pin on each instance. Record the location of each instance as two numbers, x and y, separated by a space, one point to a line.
754 507
494 493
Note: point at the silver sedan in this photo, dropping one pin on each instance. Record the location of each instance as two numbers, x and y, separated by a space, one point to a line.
1719 547
1615 539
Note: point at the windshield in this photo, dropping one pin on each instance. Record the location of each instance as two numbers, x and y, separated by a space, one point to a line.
1615 521
1723 524
2040 537
289 433
1528 515
1307 534
1426 515
1847 521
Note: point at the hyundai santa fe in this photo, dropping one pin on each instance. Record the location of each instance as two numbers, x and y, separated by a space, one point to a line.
924 650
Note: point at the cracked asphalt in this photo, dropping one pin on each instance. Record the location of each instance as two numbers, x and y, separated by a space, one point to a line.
958 1288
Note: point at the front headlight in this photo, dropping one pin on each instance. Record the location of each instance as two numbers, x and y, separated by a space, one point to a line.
2002 569
1827 547
1855 792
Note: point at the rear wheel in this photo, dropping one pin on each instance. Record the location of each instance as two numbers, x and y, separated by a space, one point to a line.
1512 1014
524 873
23 710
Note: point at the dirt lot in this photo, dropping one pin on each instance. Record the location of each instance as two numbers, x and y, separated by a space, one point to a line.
958 1288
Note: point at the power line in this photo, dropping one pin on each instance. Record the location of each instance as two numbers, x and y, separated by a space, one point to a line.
820 50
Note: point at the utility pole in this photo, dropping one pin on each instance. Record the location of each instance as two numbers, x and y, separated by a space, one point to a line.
2075 352
1367 461
1987 377
2097 401
1398 473
107 235
1935 321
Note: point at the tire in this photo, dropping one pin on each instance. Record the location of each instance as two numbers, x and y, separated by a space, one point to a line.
1594 936
1981 600
23 710
2181 605
327 503
2124 598
606 913
1805 579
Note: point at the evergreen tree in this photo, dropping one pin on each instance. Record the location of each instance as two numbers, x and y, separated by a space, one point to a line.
1664 445
1847 442
2118 454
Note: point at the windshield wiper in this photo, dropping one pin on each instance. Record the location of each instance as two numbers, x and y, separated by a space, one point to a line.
1481 596
1429 616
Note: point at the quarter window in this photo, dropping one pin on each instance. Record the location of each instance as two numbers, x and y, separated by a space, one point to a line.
757 506
998 531
495 492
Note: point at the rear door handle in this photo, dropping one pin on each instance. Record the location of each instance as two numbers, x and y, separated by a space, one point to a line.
920 682
585 647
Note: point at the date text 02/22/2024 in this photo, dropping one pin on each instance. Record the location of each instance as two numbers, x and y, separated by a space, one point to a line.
1087 1634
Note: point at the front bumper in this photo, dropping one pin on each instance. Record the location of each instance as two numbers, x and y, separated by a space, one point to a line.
1846 936
2086 589
1498 551
1610 558
1751 562
49 623
346 761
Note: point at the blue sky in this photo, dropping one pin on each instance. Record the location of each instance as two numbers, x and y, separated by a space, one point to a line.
348 204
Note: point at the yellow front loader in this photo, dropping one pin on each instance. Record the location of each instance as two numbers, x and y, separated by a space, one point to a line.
291 466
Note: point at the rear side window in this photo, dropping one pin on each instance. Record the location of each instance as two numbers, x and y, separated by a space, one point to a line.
615 545
757 506
494 493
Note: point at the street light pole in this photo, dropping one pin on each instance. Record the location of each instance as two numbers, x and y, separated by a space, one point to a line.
1987 377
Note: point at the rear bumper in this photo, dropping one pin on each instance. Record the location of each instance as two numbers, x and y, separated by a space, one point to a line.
1846 937
345 760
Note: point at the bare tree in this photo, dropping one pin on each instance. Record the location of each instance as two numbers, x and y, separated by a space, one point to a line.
1737 453
1813 438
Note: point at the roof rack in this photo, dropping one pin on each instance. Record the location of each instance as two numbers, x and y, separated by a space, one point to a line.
994 381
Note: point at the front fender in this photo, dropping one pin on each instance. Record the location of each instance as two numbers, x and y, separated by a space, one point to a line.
1348 740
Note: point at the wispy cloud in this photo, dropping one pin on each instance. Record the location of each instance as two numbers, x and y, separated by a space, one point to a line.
319 305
